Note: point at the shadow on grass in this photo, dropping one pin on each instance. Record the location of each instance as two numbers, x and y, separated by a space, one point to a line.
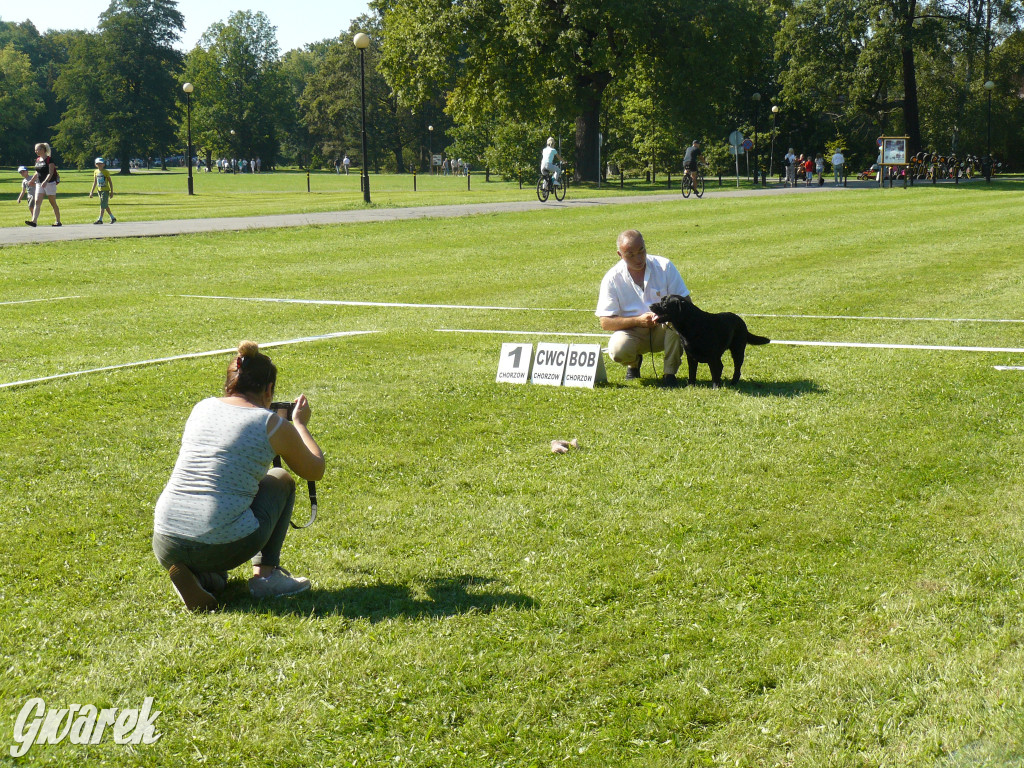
751 387
446 596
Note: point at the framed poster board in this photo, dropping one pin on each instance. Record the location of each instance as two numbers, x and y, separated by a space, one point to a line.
894 150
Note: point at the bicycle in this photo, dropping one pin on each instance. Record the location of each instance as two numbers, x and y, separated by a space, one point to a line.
688 186
546 186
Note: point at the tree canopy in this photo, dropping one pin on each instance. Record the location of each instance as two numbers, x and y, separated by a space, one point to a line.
628 81
240 102
117 81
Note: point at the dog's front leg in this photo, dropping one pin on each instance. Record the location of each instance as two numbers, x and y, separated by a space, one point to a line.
691 364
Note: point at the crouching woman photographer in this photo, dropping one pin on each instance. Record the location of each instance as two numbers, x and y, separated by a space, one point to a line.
224 504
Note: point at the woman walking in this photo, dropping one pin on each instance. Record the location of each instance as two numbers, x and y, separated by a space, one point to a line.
47 180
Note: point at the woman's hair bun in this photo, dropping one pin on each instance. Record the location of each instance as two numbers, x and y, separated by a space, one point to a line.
248 349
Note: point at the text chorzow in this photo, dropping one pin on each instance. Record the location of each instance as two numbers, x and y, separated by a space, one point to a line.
82 724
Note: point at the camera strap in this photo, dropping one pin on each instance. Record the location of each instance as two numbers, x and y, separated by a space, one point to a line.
312 500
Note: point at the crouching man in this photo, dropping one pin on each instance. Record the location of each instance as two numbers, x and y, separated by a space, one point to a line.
627 290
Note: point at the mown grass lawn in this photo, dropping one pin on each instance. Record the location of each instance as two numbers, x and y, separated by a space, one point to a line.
153 195
821 567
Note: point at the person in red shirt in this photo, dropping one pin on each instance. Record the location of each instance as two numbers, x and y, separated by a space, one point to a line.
809 170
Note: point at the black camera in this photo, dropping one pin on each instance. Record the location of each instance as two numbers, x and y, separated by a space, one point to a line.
284 410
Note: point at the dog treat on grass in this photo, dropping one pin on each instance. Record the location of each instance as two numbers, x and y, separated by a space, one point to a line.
563 446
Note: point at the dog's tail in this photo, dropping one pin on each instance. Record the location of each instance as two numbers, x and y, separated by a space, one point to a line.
757 340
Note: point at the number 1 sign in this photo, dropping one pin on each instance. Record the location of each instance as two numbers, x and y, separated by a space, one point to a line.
514 366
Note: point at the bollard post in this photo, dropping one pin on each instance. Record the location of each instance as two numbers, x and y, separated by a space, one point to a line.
413 179
668 184
520 179
719 178
622 179
467 179
307 181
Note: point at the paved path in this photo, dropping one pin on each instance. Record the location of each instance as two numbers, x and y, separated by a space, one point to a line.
46 234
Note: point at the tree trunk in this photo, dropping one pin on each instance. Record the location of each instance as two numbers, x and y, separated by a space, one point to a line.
588 124
911 109
124 154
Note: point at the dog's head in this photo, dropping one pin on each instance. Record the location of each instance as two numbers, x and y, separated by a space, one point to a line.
671 309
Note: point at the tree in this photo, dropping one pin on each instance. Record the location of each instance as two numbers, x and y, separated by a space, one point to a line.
331 104
537 61
241 96
47 55
20 102
297 66
118 84
883 66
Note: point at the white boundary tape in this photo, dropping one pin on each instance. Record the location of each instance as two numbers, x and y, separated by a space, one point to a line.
1009 367
330 302
774 341
211 353
938 348
893 319
525 333
33 301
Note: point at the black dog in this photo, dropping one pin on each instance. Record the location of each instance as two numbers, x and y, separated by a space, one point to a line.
706 336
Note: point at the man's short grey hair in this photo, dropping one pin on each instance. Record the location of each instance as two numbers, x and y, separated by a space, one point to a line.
630 235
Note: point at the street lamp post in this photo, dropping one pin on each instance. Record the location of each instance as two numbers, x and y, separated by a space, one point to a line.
188 88
771 158
430 147
233 153
362 42
757 113
989 85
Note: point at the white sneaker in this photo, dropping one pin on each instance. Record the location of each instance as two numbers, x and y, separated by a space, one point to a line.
278 584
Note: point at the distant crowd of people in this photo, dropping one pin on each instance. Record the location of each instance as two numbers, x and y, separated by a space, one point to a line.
235 165
807 167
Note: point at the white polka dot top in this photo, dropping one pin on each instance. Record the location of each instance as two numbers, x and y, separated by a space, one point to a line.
225 452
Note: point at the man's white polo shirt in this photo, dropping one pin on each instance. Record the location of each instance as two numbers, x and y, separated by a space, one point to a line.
621 297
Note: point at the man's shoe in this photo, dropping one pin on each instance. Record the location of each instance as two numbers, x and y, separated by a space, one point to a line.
98 221
633 372
113 220
30 223
58 224
669 381
278 584
190 590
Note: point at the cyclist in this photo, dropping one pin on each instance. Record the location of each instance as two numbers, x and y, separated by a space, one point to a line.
690 160
549 160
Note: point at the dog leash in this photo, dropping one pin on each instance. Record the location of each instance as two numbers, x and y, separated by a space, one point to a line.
650 345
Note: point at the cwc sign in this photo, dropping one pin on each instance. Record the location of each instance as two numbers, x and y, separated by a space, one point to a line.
569 365
549 364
